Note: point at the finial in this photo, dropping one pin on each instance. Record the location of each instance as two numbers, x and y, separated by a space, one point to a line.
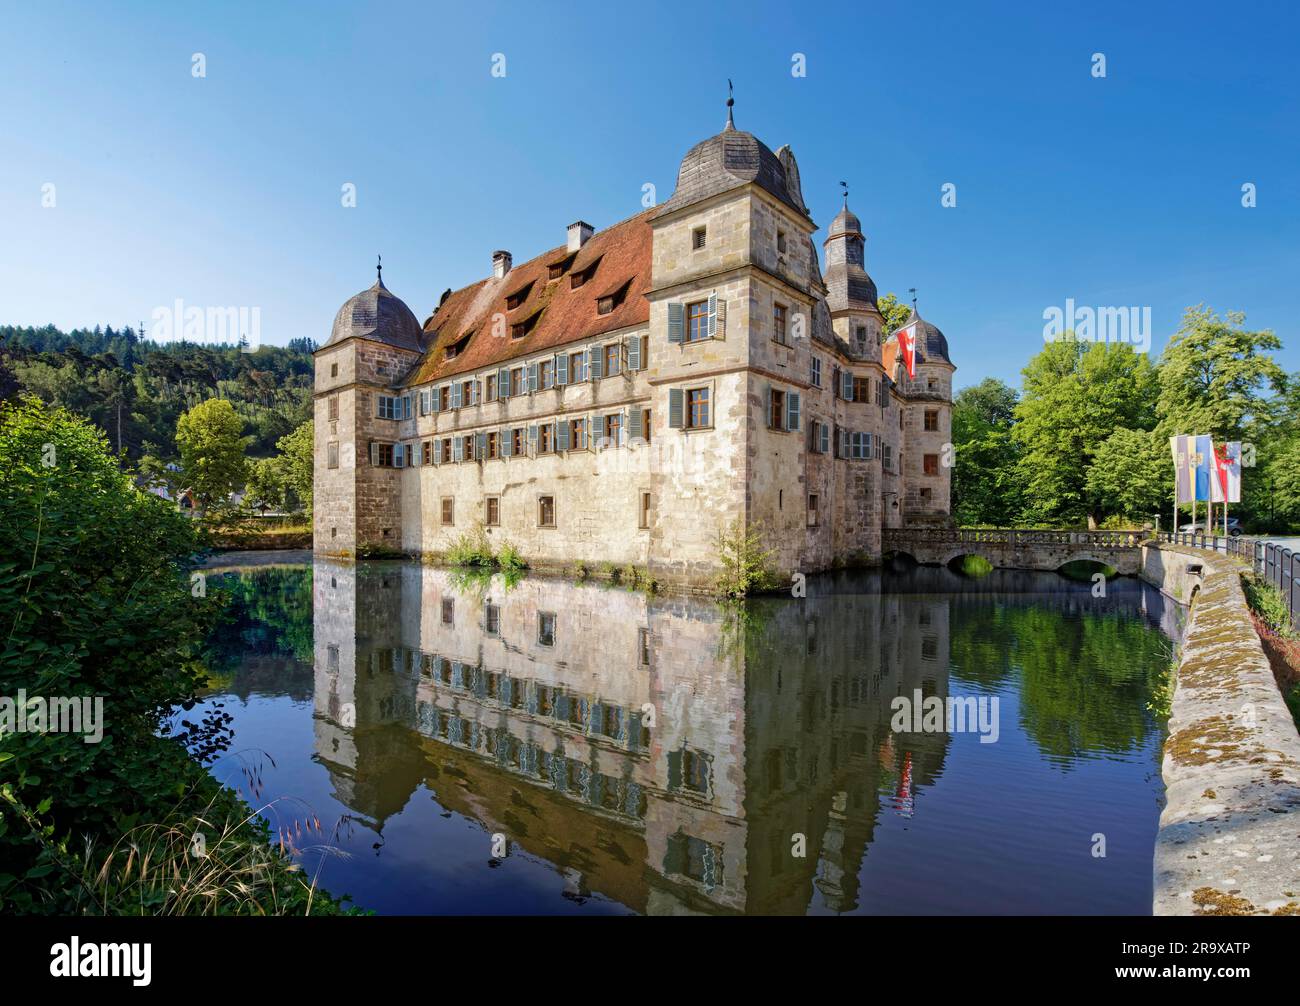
731 123
845 187
912 291
379 269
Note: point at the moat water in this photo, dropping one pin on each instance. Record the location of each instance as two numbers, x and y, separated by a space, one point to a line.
430 744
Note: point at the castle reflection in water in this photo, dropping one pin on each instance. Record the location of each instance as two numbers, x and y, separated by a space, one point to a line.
666 753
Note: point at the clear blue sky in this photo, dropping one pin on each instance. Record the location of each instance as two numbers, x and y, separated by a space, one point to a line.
226 190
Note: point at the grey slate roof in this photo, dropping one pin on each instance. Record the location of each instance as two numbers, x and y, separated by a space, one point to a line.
932 343
377 314
727 161
849 286
845 222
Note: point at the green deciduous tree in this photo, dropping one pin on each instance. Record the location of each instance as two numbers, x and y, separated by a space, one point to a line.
1131 475
985 482
211 441
894 311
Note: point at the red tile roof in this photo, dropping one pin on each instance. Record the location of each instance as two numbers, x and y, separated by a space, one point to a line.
563 315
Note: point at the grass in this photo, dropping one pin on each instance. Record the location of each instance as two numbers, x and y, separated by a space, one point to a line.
474 549
1280 638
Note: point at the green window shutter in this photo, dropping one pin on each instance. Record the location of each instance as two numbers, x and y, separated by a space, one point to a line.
507 442
597 431
676 408
847 391
844 443
713 315
561 434
870 444
437 452
474 392
561 369
634 353
414 454
532 377
457 449
634 425
792 411
824 431
455 395
406 406
676 322
480 446
594 363
836 386
532 439
503 383
374 454
771 419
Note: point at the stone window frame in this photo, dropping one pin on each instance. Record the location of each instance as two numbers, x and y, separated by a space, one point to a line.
332 454
611 359
334 369
490 388
447 511
780 323
701 318
930 465
711 403
541 512
644 509
490 520
699 237
332 408
931 415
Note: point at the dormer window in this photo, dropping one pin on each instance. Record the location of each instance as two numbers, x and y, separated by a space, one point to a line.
521 328
459 346
611 300
518 297
581 277
557 269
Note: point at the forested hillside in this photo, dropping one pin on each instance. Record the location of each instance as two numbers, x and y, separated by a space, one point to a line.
136 390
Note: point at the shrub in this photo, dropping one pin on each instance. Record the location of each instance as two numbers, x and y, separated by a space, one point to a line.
746 565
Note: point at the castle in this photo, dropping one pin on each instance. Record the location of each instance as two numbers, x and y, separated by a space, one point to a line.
624 397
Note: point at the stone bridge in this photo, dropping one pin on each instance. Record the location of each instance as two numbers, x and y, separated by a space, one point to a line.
1008 548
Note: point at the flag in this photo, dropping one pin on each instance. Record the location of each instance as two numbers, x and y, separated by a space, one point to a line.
907 344
1202 453
1181 448
1227 472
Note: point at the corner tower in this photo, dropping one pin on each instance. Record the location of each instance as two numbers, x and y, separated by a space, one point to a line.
357 497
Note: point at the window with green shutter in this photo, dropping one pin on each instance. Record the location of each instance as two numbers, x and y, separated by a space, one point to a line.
561 369
634 353
634 425
676 322
594 363
532 378
792 406
561 435
676 415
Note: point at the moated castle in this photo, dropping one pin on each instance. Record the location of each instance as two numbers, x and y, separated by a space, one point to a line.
624 396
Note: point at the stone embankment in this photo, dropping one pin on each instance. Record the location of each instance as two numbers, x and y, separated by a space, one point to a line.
1229 838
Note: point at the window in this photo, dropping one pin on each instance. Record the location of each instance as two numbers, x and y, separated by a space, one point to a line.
332 455
697 408
697 321
334 407
490 388
334 370
448 610
780 241
612 359
776 409
644 521
516 382
383 455
546 369
932 385
816 377
812 509
931 420
492 511
778 324
862 390
643 645
926 495
444 398
445 453
695 771
699 237
860 334
518 297
888 456
428 452
931 464
546 511
517 441
469 393
448 511
577 367
493 445
546 628
390 407
645 425
545 438
492 619
578 434
614 429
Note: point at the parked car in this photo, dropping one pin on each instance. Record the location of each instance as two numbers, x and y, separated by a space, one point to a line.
1234 527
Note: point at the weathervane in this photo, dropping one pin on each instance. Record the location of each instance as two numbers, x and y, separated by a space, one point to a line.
912 291
731 123
379 269
845 187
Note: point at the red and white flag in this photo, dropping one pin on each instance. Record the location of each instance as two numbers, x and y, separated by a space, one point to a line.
907 345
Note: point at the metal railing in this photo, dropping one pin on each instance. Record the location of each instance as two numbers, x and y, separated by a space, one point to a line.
1275 563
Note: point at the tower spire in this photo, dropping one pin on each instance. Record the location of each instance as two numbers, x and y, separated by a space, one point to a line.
731 101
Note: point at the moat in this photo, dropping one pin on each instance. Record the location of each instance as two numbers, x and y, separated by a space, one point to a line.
437 744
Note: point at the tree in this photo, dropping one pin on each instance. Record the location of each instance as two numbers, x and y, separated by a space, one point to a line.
298 449
894 311
1213 374
211 441
1076 394
1131 474
985 484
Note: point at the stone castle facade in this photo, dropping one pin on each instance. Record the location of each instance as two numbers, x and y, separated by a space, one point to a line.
623 397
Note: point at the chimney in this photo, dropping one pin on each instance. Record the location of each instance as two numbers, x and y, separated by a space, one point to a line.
579 232
501 262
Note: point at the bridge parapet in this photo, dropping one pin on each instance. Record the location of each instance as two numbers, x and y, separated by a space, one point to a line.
1021 548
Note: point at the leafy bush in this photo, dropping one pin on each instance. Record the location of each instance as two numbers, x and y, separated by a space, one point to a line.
746 565
95 601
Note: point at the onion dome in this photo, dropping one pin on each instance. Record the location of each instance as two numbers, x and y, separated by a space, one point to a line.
378 315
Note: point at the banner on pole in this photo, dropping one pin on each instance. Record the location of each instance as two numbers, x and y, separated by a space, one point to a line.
1184 485
1226 485
1203 454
